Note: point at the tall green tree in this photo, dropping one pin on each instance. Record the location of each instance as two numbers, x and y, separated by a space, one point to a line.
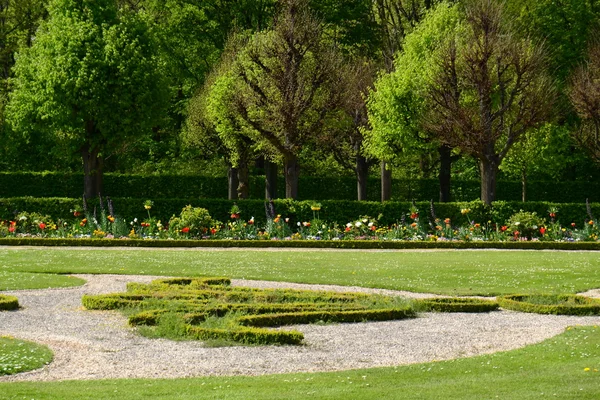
90 79
488 90
397 104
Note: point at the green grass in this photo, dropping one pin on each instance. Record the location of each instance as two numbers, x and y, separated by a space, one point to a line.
452 272
10 280
564 367
20 356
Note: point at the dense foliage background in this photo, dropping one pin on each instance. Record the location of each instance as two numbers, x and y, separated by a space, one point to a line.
308 98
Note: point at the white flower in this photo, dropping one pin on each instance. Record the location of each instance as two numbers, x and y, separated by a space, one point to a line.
358 223
349 224
365 220
298 223
135 220
370 224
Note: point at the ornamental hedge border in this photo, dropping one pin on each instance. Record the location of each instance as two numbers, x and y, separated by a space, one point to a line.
338 211
317 244
456 304
191 301
580 305
8 302
60 184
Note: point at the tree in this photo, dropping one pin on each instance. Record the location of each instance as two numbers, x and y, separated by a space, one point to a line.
489 89
397 104
90 79
284 77
584 92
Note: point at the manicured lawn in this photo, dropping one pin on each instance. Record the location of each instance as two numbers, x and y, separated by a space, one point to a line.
564 367
25 280
471 272
20 355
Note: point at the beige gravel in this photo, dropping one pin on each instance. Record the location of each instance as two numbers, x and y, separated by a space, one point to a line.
98 345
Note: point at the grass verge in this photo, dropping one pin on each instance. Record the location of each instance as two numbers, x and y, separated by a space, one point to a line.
564 367
451 272
10 280
20 356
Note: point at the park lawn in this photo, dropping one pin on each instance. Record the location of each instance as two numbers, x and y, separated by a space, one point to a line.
453 272
563 367
10 280
20 355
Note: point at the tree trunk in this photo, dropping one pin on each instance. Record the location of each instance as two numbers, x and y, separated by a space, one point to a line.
362 172
243 180
488 171
292 171
524 185
270 180
92 172
233 183
386 182
445 172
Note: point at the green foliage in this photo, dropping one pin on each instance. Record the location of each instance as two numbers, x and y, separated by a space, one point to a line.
197 220
8 302
551 304
456 304
526 222
211 309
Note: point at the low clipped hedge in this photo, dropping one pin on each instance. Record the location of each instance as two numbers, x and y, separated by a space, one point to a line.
246 335
457 304
301 244
566 304
294 318
8 302
338 211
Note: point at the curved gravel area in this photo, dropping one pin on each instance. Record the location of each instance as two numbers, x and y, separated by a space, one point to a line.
99 345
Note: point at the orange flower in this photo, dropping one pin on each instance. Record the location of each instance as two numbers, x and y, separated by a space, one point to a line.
213 230
348 229
543 230
573 224
373 228
447 221
414 215
42 226
111 218
83 222
414 224
591 222
477 225
185 230
504 228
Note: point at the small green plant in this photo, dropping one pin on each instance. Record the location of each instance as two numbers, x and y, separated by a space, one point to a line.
8 302
192 221
525 224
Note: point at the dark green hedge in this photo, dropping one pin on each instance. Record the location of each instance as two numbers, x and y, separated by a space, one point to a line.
8 302
563 304
56 184
307 317
456 304
315 244
246 335
339 211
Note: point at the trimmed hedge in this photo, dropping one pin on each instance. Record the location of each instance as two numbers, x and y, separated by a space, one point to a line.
304 317
457 304
338 211
8 302
58 184
316 244
560 304
246 335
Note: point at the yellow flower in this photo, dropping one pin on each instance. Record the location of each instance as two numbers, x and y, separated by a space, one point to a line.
586 369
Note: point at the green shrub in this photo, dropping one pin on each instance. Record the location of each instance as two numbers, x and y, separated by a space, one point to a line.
456 304
566 304
526 223
8 302
304 317
246 335
193 221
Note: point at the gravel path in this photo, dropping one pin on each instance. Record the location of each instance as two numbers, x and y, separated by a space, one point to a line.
97 344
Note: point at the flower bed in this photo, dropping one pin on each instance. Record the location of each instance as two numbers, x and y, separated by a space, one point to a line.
196 224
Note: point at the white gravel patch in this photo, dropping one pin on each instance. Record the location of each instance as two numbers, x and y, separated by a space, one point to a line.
99 344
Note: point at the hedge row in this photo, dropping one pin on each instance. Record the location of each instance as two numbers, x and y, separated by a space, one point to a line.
8 302
456 304
307 317
301 244
337 211
57 184
559 304
246 335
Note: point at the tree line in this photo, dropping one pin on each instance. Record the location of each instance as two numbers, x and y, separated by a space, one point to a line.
422 87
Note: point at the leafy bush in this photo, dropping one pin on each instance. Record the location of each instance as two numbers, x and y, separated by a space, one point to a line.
526 223
195 221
